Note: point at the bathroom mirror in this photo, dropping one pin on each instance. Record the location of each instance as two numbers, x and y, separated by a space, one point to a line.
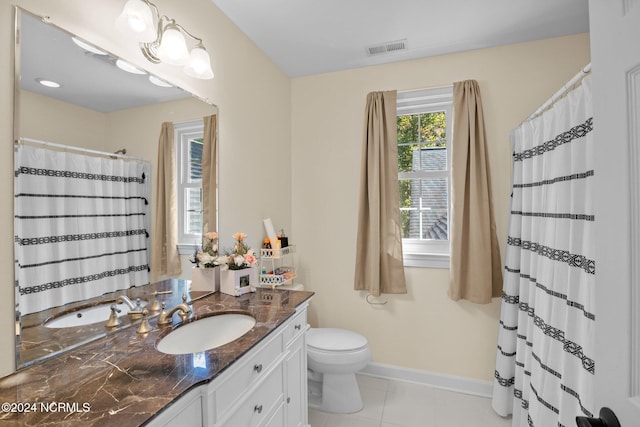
99 107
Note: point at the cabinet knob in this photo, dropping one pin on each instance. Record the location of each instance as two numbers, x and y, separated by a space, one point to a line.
257 368
297 327
288 400
258 409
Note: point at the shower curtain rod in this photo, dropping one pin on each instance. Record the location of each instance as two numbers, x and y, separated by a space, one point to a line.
560 93
80 149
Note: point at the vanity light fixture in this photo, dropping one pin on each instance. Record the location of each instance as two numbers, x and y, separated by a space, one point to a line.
163 40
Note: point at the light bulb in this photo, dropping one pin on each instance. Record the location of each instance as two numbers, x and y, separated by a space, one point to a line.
129 68
48 83
199 65
173 47
136 20
88 47
159 82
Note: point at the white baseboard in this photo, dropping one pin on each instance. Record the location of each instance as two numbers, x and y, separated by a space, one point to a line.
431 379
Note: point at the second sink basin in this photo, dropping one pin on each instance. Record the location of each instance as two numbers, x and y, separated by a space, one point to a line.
86 316
206 333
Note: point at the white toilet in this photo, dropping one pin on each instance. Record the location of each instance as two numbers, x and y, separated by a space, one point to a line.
333 358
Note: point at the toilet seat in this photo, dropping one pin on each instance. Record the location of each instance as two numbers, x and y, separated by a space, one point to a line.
335 340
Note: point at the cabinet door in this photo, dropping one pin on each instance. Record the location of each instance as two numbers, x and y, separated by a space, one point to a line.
191 416
296 384
186 412
277 420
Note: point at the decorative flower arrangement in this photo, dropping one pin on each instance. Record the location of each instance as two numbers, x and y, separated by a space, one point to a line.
241 257
208 257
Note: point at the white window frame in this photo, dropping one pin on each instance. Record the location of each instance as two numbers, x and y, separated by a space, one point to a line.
183 133
417 252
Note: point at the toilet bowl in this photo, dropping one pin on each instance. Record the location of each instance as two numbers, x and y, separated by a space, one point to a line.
333 358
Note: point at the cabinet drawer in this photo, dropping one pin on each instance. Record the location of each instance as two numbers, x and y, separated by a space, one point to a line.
295 326
249 371
257 408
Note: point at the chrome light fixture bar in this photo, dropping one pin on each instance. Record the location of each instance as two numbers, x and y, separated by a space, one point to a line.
163 40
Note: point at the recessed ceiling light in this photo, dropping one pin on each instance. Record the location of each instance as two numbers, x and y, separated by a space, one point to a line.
159 82
124 65
88 47
48 83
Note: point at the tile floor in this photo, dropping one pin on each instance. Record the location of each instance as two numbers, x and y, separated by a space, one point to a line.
391 403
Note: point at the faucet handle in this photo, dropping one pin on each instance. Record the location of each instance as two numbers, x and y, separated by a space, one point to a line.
144 325
155 305
113 317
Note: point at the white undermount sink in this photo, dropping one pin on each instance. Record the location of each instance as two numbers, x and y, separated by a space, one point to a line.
87 316
206 333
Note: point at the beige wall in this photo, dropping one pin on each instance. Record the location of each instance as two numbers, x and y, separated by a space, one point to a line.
252 94
48 119
423 329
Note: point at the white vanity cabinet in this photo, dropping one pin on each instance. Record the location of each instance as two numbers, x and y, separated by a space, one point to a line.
295 373
267 387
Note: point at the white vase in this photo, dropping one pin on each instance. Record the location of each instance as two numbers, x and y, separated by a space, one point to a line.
238 282
205 279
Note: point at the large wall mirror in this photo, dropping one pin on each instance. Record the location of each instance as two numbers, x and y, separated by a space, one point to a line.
99 107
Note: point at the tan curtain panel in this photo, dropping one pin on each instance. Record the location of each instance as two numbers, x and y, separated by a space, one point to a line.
379 268
165 259
209 174
476 272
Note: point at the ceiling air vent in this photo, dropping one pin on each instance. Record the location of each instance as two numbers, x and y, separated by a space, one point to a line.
387 47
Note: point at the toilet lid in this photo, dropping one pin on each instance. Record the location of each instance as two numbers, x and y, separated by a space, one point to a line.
333 339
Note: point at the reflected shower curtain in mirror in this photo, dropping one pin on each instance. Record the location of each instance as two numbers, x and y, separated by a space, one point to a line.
80 226
544 366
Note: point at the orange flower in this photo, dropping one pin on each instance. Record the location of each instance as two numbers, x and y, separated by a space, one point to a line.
239 236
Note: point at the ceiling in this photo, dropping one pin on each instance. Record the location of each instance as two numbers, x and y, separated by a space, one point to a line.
305 37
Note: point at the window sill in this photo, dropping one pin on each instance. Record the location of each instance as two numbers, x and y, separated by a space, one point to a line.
421 260
184 249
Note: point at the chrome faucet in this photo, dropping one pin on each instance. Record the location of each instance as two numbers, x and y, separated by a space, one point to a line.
125 299
165 318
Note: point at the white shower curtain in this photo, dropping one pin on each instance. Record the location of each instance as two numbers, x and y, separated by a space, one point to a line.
80 226
544 365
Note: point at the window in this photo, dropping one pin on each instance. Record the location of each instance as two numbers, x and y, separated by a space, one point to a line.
188 139
424 134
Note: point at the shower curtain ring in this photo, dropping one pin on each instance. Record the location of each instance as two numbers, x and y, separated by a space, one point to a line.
374 302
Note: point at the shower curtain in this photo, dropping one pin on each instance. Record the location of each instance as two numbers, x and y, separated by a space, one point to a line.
80 226
544 365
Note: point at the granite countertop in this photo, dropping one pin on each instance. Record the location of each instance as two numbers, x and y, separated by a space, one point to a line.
121 379
38 342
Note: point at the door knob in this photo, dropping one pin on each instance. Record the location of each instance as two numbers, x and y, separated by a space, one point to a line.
607 419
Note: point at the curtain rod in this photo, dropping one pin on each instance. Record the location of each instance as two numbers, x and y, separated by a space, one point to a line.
80 149
562 92
445 86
